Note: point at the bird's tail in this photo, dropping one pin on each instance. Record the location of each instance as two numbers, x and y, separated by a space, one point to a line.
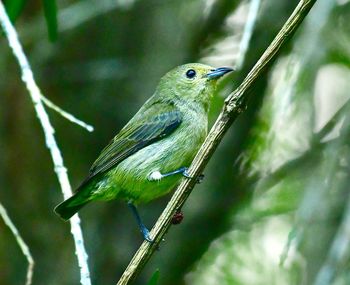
70 206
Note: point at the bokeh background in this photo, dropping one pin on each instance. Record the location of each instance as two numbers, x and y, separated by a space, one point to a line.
274 207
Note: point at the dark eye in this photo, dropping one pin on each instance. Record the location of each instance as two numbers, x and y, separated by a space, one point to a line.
190 73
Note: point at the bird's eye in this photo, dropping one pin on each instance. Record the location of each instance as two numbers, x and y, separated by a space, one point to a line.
190 73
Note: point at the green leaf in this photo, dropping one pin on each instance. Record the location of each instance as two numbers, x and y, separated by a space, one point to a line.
154 279
14 8
50 11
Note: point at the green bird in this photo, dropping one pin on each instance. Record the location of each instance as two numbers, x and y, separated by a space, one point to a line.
148 157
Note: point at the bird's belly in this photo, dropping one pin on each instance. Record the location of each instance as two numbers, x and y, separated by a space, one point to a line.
129 180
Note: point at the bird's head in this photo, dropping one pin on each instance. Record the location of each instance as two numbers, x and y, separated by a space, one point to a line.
193 81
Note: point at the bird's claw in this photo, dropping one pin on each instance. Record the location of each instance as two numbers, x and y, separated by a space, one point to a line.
187 175
146 235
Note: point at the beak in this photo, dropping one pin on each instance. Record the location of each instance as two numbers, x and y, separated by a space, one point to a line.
218 72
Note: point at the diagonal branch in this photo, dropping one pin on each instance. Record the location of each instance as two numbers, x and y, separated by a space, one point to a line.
23 246
61 171
65 114
234 105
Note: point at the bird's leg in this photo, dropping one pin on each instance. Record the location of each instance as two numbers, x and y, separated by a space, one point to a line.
156 175
143 229
182 170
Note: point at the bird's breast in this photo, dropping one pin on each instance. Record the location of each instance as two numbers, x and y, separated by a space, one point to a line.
166 155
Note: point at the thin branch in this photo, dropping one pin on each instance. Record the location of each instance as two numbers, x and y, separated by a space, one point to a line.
23 246
65 114
234 105
61 171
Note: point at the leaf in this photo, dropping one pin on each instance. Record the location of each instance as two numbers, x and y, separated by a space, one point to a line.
50 11
154 279
14 8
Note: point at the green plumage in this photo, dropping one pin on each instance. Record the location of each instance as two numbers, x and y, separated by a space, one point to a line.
163 136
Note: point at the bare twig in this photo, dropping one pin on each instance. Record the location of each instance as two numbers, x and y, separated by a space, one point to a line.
65 114
61 171
234 105
20 242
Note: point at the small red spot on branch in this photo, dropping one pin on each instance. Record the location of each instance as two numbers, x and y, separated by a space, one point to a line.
177 218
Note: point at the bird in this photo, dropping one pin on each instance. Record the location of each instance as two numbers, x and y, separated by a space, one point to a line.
153 151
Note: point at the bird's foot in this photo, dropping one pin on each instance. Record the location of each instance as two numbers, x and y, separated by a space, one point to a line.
184 171
146 234
187 175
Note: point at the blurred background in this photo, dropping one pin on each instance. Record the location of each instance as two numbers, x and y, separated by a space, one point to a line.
274 207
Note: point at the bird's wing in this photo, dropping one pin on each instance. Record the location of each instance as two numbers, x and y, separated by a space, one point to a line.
137 134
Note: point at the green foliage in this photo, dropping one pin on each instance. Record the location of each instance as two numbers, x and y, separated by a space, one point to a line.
50 11
154 278
14 8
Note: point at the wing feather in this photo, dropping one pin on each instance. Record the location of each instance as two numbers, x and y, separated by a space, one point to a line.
136 135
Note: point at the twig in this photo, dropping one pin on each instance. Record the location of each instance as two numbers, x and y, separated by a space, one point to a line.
20 242
234 105
65 114
248 31
61 171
